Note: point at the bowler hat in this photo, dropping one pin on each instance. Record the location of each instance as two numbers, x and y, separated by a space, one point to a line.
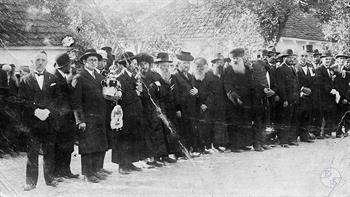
217 57
326 53
184 56
62 60
287 52
162 57
238 52
341 55
143 57
90 52
316 53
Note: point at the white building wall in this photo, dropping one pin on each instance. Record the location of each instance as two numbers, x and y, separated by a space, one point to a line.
298 45
25 55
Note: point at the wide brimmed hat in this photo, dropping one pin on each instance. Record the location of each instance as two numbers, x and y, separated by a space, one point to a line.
184 56
341 55
217 57
238 52
271 51
316 53
144 57
90 52
326 53
127 56
162 57
62 60
287 52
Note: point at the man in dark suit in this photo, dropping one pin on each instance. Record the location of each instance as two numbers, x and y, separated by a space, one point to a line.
305 107
128 143
40 92
288 89
66 123
238 86
90 110
185 94
325 82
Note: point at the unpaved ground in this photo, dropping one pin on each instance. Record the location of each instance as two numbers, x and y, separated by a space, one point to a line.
297 171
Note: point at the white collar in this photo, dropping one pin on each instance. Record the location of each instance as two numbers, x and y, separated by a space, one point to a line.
91 72
128 72
62 73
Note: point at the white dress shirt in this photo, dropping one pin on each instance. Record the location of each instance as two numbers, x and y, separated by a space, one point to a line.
268 79
304 69
64 75
39 79
91 73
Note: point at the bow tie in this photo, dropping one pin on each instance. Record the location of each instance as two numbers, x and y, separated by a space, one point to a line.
39 74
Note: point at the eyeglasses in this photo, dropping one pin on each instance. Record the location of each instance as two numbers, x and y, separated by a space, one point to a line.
92 60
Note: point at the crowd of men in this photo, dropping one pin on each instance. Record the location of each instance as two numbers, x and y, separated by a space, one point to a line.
175 109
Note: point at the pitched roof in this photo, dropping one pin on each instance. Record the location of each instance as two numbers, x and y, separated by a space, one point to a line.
180 19
18 28
303 26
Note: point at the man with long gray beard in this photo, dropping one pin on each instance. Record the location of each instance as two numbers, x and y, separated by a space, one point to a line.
238 86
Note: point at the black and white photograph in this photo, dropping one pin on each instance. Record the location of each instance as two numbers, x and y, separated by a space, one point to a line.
175 98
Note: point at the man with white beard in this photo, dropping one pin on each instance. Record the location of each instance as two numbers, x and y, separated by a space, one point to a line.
238 86
202 129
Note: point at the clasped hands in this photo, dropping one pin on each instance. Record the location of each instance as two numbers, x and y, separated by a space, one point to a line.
42 114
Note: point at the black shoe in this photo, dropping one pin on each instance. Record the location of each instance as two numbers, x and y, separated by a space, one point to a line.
258 148
346 134
237 150
106 171
245 148
92 179
71 176
155 164
100 176
327 136
312 136
53 183
58 179
123 171
307 141
339 135
266 147
29 187
293 143
132 167
320 137
168 159
285 145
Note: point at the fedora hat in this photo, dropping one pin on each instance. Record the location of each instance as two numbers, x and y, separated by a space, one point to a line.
62 60
316 53
144 57
90 52
287 52
238 52
200 61
162 57
217 57
184 56
341 55
271 51
326 53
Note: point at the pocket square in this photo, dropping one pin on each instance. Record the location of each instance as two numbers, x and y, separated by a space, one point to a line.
52 84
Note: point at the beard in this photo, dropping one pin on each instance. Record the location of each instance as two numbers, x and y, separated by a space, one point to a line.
238 67
199 75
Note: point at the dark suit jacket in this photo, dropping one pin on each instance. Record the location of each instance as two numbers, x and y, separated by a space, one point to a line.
34 97
184 102
89 106
307 81
66 119
325 85
287 84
